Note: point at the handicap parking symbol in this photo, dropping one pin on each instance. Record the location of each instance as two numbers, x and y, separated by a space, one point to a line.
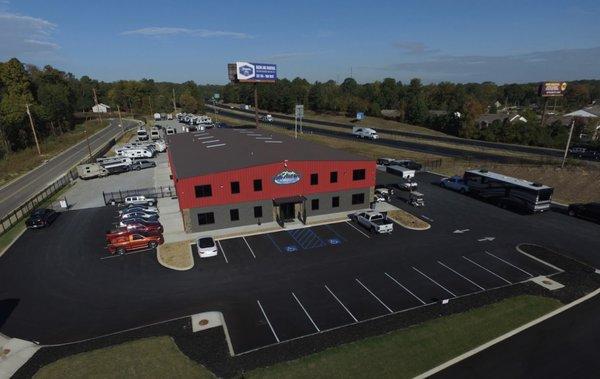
334 241
291 248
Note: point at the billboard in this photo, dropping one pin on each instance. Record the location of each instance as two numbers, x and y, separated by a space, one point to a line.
248 72
548 89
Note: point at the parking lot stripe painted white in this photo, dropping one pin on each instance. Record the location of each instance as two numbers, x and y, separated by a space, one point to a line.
219 144
212 140
358 230
375 296
342 304
268 322
508 263
439 285
404 288
249 248
462 276
222 251
491 272
204 137
305 312
427 218
123 255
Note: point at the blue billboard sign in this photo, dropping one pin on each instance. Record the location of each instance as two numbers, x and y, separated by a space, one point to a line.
256 72
360 115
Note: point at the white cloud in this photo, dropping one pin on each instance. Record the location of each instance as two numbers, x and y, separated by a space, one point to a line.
24 35
170 31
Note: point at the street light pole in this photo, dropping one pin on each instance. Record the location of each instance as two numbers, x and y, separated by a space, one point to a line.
256 103
33 130
120 119
568 142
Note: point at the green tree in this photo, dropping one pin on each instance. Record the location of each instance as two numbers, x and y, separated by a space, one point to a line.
416 106
16 93
188 103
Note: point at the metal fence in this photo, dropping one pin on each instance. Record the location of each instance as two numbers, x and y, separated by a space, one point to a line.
432 164
118 197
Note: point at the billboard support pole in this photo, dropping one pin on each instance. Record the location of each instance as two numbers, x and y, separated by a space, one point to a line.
568 142
543 121
256 104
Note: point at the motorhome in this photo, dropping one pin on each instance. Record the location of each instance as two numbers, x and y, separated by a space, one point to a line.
157 117
136 153
142 134
361 132
202 120
111 160
91 170
403 172
118 167
170 130
169 116
507 191
154 134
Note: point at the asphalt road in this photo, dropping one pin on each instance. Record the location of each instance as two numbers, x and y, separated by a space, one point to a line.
346 128
564 346
17 192
69 289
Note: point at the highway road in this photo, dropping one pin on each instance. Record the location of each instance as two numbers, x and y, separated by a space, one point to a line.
343 132
17 192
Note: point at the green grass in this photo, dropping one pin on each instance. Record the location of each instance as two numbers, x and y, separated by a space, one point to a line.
409 352
156 357
15 164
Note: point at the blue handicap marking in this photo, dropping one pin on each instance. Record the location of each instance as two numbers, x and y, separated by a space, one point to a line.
291 248
334 241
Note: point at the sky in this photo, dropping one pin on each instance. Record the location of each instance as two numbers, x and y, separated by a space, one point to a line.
445 40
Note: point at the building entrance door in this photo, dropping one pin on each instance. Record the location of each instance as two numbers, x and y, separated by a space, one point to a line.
287 211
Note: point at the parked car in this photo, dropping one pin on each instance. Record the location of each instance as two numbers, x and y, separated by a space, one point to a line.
139 214
41 218
590 211
382 194
140 199
221 125
374 221
206 247
407 185
138 165
266 118
125 231
455 183
135 208
123 244
135 221
408 163
385 161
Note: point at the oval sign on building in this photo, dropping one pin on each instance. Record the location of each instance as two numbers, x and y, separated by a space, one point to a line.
286 177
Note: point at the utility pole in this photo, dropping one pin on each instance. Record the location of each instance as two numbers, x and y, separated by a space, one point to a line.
33 130
568 142
543 121
120 119
174 106
256 103
150 102
97 107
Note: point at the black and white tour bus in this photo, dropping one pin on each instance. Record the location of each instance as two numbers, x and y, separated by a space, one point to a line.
507 191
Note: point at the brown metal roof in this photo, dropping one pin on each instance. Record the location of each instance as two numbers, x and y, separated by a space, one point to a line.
218 150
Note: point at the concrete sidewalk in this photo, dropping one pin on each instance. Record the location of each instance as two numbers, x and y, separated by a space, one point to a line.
14 353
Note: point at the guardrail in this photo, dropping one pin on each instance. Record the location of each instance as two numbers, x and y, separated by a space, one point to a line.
118 197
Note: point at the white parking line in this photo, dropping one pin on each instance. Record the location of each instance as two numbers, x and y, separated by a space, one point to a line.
439 285
247 244
508 263
491 272
305 312
268 322
223 251
462 276
427 218
123 255
375 296
358 230
342 304
404 288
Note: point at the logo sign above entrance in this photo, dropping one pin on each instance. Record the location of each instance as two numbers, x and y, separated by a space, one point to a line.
286 177
247 72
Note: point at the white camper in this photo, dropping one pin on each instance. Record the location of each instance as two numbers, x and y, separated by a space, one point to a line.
91 170
154 134
142 134
157 117
401 171
361 132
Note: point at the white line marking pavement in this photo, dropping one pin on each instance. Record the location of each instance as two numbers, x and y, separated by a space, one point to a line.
558 269
247 244
406 289
123 255
358 230
375 296
491 272
222 251
305 312
217 145
508 263
441 286
462 276
427 218
342 304
268 322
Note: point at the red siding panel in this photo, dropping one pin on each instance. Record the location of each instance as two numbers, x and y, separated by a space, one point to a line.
221 187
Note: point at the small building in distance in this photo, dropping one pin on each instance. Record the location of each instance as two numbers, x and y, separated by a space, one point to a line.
101 108
485 120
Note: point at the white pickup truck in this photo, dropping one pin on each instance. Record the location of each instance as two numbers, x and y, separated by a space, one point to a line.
455 183
374 221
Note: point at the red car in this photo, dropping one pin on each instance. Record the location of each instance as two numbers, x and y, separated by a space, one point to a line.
125 243
120 232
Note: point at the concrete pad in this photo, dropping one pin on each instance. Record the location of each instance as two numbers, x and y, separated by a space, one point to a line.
547 283
206 320
14 353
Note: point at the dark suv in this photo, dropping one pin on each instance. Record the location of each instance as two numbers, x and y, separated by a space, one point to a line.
41 218
590 211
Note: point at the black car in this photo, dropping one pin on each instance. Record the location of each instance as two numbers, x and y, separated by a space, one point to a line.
408 163
221 125
41 218
144 163
590 211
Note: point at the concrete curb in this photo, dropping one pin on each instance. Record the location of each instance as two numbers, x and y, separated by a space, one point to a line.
506 336
163 263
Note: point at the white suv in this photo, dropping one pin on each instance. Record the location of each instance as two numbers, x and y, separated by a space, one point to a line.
143 200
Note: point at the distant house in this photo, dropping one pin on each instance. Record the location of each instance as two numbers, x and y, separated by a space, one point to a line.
588 112
101 108
441 113
390 113
487 119
592 117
